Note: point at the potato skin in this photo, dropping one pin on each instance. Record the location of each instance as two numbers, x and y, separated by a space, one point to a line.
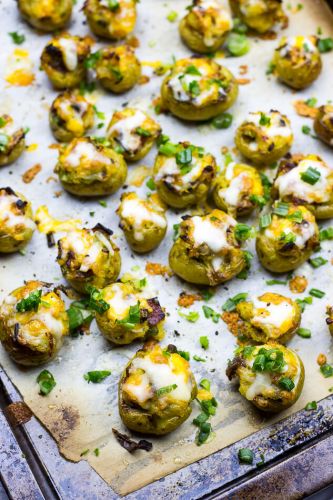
259 18
156 420
12 143
53 61
95 177
118 69
323 124
32 342
112 24
46 15
295 66
14 238
75 121
329 319
189 109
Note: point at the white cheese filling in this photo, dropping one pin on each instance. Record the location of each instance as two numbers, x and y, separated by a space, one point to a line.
136 210
84 150
170 172
126 131
10 219
206 232
269 314
120 302
272 129
69 50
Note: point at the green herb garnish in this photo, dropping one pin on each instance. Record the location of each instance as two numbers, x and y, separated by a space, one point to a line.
245 456
222 121
192 316
133 317
166 389
317 262
96 376
286 384
230 304
46 382
311 406
317 293
30 303
265 221
305 333
327 370
210 313
204 342
16 37
310 175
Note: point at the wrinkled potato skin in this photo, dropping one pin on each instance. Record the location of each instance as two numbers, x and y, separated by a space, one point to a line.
139 420
188 111
15 241
329 319
262 22
17 346
323 124
124 60
295 72
84 181
53 64
118 333
15 146
65 130
46 15
107 24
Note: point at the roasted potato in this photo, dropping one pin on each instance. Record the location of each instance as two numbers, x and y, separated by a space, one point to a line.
12 141
156 390
46 15
258 15
271 376
329 319
323 124
114 19
33 323
118 69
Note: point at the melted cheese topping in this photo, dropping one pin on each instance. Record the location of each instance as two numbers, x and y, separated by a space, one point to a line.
170 173
8 216
87 246
240 183
303 44
85 151
139 212
302 232
214 20
19 68
69 50
125 131
73 112
205 232
48 224
123 17
119 299
278 126
272 310
291 184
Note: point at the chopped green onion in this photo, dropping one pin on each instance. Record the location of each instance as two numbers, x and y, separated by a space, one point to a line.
245 456
243 231
204 433
197 358
192 316
194 88
205 383
204 342
276 282
310 175
306 129
325 45
172 16
230 304
264 119
265 221
222 121
103 203
30 303
312 101
168 149
184 354
317 293
46 382
281 208
142 132
166 389
184 157
305 333
286 383
192 70
326 370
210 313
175 231
303 302
238 44
16 37
151 184
326 234
96 376
311 406
317 262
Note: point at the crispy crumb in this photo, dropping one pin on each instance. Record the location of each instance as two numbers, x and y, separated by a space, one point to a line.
143 80
54 146
303 109
57 194
224 150
298 284
134 42
137 175
31 173
243 69
321 359
156 269
51 179
231 319
31 147
187 299
269 35
243 81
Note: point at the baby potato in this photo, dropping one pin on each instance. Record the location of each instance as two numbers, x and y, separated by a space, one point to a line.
306 180
143 222
323 124
271 376
118 69
129 316
288 237
87 167
329 319
269 317
12 141
46 15
63 60
71 116
198 89
132 133
206 26
206 251
89 257
114 19
16 221
156 390
258 15
238 190
297 61
33 323
264 138
183 173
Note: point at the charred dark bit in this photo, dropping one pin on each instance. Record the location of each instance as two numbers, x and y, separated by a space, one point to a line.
21 204
233 366
186 217
172 349
8 190
16 331
157 313
100 227
129 444
329 321
50 240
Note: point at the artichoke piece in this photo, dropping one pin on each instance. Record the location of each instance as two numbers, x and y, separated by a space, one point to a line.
33 323
89 257
206 251
156 390
12 141
259 15
129 316
16 221
111 19
118 69
323 124
46 15
271 376
198 89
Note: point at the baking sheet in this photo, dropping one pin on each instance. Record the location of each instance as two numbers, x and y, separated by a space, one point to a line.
80 415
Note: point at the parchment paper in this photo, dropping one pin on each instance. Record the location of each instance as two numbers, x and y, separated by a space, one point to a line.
80 415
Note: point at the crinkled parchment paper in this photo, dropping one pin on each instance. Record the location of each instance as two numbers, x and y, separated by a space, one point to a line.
80 415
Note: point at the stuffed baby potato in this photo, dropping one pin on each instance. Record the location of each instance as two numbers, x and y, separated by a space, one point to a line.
183 173
206 251
143 222
297 61
206 26
287 238
129 316
12 141
71 115
46 15
198 89
33 323
113 19
89 257
306 180
118 69
329 319
269 317
156 390
63 60
132 133
271 376
87 167
258 15
238 190
263 138
323 124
